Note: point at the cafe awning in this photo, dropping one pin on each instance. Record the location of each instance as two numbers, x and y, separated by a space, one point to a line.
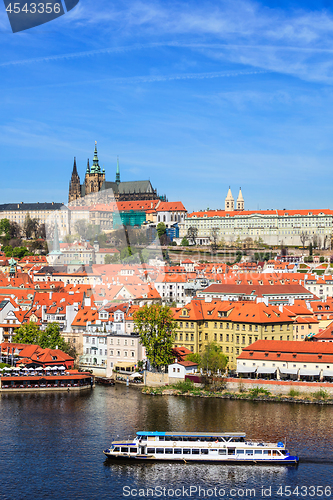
327 373
288 371
246 369
266 369
309 373
124 364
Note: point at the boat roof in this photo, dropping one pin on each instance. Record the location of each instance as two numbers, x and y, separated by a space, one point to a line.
192 434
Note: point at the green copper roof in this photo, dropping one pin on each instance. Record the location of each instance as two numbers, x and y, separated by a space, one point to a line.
95 169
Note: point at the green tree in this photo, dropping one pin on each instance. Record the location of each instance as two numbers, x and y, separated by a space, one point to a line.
28 333
8 250
194 357
213 359
5 229
51 338
156 328
19 252
111 259
161 229
184 242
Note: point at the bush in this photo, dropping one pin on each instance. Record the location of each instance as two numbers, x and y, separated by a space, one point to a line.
185 386
257 391
293 393
321 394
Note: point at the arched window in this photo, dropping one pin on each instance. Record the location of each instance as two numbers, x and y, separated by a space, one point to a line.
163 218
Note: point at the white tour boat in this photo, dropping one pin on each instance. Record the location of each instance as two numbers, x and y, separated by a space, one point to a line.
224 447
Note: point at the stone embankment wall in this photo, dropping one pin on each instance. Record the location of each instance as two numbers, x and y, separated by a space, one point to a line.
276 386
156 379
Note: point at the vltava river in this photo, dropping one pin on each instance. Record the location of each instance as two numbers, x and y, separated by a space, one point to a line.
51 447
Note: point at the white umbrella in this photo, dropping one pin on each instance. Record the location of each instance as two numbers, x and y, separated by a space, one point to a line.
31 369
39 368
54 368
16 369
62 368
1 369
135 375
25 369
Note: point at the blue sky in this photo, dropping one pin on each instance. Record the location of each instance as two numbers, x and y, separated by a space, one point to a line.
195 95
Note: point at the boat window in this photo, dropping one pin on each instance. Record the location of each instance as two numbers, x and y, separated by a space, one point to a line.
240 452
169 438
222 452
274 453
195 451
117 448
159 450
169 451
177 451
133 450
204 452
213 450
186 451
249 452
124 449
231 451
258 452
150 450
151 438
267 452
161 438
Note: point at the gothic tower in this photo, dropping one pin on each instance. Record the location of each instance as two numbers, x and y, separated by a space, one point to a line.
118 173
94 176
229 203
240 201
74 185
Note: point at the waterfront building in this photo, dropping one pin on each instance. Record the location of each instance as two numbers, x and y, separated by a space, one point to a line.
179 369
305 360
232 325
43 212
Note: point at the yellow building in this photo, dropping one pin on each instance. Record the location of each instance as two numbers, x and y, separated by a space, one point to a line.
232 325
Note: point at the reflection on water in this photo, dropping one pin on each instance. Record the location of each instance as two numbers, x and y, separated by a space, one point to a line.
52 443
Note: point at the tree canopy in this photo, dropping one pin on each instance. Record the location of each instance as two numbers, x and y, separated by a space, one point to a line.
156 328
213 358
29 333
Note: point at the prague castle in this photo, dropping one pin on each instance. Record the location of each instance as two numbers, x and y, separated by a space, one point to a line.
95 182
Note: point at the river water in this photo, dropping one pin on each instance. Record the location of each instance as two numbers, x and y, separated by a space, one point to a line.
51 447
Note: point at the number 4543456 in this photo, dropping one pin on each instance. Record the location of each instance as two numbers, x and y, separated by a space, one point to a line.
34 8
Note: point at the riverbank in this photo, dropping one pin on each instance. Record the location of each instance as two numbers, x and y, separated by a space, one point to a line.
319 395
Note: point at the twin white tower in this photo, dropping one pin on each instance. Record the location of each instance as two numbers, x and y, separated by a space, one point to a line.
229 204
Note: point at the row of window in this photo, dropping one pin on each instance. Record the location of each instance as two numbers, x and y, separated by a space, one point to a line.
198 451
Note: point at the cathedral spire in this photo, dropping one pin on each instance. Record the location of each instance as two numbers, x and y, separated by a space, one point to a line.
118 172
96 169
74 167
88 167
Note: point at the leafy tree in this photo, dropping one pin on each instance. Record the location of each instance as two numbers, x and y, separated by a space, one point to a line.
161 229
194 357
156 328
51 338
5 228
28 333
212 358
20 252
184 242
111 259
8 251
41 232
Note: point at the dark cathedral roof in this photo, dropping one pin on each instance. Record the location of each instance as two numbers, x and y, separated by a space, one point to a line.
129 187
